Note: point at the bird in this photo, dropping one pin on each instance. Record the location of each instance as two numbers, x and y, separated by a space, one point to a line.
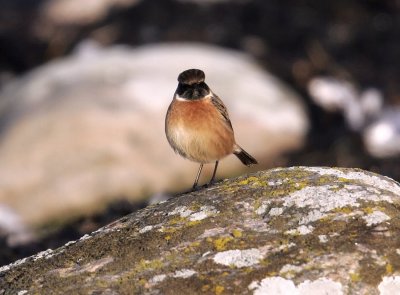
197 124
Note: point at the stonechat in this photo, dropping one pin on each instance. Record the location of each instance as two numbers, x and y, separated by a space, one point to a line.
197 124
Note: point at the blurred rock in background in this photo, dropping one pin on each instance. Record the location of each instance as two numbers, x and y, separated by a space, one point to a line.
363 112
75 122
82 131
382 137
78 13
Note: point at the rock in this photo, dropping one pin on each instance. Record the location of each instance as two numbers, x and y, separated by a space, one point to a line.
382 137
293 230
364 112
87 129
358 107
67 12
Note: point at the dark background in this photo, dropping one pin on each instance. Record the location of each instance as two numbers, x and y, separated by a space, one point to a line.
356 40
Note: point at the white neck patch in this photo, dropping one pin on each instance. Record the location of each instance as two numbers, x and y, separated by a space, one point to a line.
180 98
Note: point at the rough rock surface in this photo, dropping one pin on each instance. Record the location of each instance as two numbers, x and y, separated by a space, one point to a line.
293 230
85 130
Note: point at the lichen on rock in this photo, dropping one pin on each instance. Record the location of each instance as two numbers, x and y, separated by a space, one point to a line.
298 229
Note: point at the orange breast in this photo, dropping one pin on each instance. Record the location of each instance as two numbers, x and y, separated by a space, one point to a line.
197 131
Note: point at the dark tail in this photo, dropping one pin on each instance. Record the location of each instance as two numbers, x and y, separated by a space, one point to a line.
244 157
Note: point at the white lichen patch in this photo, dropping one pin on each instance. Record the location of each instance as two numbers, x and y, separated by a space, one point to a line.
206 254
347 216
183 211
281 286
389 285
70 243
312 215
212 232
95 265
275 182
321 200
275 211
239 258
14 264
323 239
44 254
184 273
262 209
382 183
204 212
286 246
289 270
245 205
328 286
157 279
85 237
273 286
301 230
375 217
146 229
258 225
78 270
22 292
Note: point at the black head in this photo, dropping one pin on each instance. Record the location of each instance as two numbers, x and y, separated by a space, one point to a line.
191 84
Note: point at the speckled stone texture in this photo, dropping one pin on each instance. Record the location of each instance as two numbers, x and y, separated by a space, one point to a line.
293 230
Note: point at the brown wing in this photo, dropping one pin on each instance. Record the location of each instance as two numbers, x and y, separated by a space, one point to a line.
217 102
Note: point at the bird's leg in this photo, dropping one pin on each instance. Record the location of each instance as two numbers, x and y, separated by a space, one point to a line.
198 176
215 172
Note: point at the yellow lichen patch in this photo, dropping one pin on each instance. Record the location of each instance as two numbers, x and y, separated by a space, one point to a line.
179 221
192 247
225 273
344 210
251 179
247 270
228 188
219 289
264 262
169 230
193 223
355 277
243 182
149 264
324 179
282 191
368 210
343 180
257 204
220 243
389 269
195 244
295 185
176 220
237 233
167 238
195 207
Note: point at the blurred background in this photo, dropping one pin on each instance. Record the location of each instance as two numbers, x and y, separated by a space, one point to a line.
85 85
